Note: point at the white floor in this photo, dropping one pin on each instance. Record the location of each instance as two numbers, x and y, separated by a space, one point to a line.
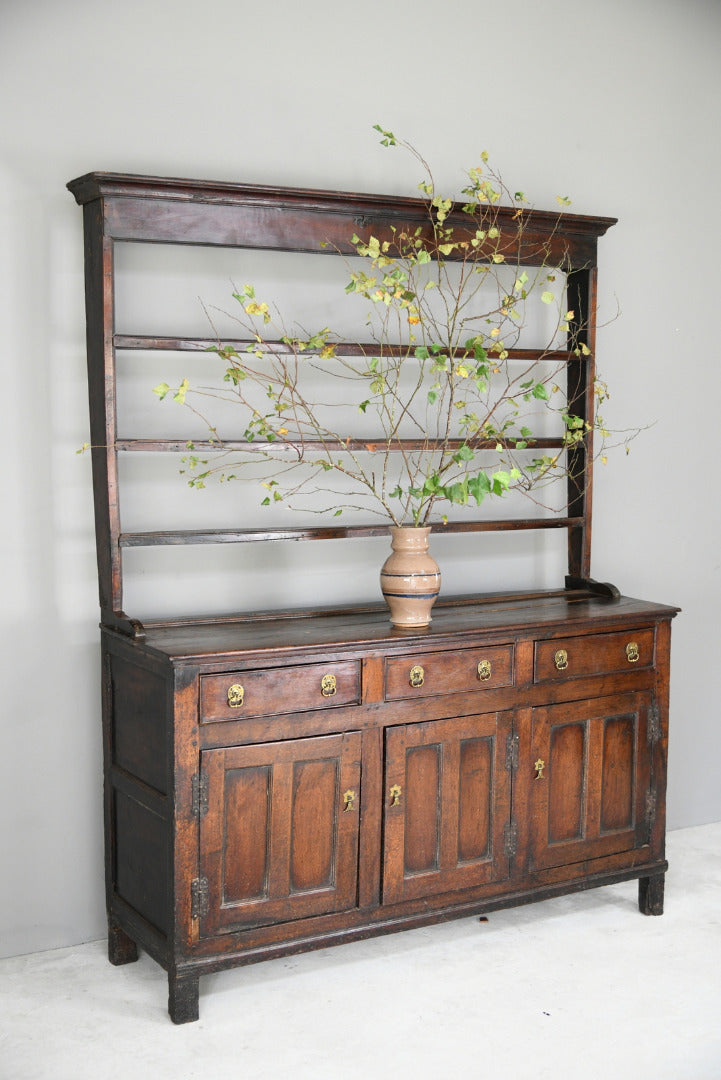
580 987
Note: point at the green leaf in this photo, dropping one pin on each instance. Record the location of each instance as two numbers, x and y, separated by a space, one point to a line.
463 453
388 139
479 486
500 482
458 493
161 390
547 297
540 392
432 485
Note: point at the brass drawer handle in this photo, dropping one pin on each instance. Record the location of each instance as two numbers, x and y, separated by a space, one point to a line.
484 670
236 693
348 800
560 659
416 675
632 652
539 766
328 685
395 794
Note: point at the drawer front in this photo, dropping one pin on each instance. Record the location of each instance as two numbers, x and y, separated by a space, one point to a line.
429 674
595 654
279 690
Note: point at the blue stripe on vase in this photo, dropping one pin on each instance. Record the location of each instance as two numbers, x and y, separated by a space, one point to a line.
412 595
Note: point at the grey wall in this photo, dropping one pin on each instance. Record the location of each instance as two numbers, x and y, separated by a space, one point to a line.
615 104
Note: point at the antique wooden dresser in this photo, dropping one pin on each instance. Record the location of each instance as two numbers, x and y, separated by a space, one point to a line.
279 782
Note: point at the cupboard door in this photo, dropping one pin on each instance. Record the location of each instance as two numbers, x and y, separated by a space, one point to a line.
279 840
447 802
591 766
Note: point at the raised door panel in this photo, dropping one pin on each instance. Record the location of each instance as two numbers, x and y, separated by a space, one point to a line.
591 762
279 840
447 802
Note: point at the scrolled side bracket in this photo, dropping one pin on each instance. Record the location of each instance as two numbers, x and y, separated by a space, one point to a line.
597 588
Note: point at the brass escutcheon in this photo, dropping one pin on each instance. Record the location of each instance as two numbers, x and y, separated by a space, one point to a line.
395 794
328 685
632 652
484 670
539 766
236 694
348 800
416 675
560 659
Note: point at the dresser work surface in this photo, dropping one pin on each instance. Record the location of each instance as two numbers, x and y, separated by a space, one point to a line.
280 784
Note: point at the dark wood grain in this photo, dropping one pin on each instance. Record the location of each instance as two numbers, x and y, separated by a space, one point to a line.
183 997
288 867
120 207
297 820
208 346
326 532
157 209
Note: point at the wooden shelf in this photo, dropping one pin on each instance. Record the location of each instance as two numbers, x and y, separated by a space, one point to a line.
166 343
121 208
328 532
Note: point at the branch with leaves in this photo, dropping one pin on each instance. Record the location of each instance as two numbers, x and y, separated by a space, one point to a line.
441 373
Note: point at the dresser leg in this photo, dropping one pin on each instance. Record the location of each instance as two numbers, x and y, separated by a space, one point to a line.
183 994
650 894
121 948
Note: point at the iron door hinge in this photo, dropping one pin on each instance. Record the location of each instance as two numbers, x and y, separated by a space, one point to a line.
654 722
512 741
510 839
199 898
200 794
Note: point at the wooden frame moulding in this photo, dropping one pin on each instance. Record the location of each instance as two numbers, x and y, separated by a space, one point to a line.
142 209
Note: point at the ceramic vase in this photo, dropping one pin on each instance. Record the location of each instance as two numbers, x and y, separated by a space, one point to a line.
410 577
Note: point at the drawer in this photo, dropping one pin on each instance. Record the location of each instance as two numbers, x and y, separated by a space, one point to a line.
428 674
279 690
594 654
